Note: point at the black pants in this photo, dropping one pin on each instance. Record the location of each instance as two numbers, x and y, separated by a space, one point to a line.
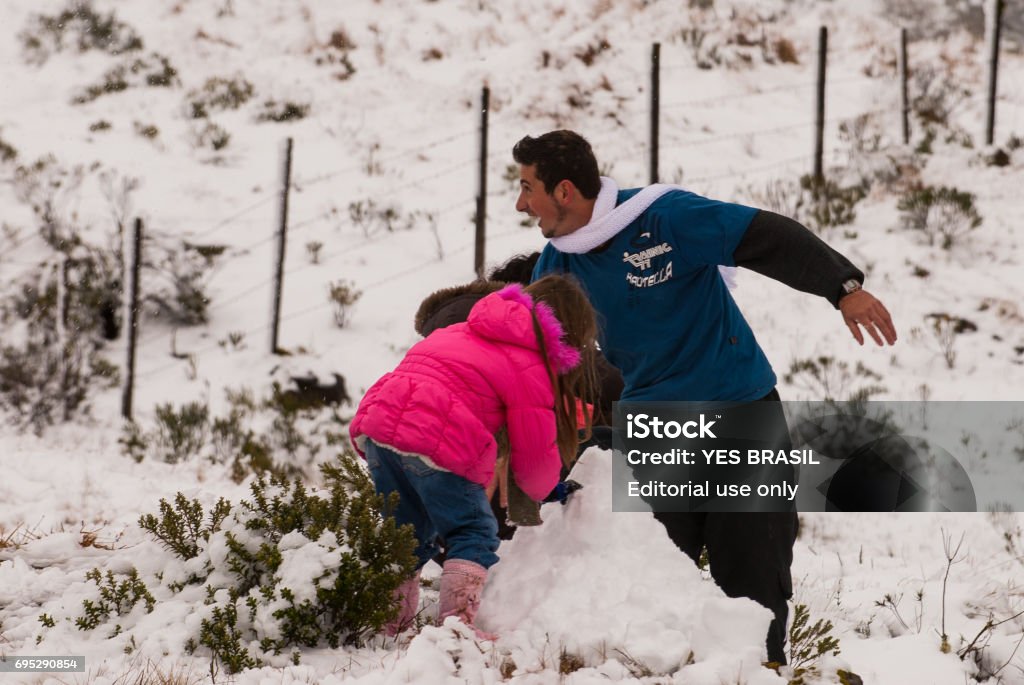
749 555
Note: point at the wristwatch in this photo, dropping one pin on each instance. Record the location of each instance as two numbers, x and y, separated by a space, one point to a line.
850 286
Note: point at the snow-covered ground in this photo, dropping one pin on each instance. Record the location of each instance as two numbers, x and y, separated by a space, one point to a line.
400 132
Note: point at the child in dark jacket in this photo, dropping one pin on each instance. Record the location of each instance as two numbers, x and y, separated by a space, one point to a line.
427 429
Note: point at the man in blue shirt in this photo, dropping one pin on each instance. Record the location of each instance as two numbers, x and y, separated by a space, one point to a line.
656 263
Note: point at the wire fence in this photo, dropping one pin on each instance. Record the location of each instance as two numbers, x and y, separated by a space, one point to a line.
437 173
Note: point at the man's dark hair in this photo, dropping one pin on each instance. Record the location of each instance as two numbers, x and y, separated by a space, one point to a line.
558 156
519 269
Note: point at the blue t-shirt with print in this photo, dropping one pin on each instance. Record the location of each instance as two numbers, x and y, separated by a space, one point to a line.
666 317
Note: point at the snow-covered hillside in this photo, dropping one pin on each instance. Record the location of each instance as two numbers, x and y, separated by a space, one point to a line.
384 180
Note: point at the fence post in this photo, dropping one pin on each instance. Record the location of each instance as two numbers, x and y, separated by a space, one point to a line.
819 117
61 320
133 322
655 104
481 198
904 98
281 235
995 22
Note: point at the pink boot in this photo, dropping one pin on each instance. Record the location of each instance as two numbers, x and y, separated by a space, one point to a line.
407 597
462 583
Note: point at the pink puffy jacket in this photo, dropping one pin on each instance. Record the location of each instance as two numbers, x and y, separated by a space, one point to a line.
456 388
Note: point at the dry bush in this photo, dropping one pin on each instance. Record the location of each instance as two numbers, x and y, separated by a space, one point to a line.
785 51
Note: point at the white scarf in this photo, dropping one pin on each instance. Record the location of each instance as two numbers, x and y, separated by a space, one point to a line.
607 220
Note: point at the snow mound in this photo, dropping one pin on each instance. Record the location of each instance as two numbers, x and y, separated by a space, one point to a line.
601 584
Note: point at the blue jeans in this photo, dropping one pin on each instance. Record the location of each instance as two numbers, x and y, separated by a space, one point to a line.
440 505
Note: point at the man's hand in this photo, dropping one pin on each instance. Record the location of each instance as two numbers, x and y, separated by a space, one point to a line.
861 308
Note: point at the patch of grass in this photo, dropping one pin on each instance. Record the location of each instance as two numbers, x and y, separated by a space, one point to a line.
943 214
281 112
219 94
154 71
149 131
80 27
213 136
7 151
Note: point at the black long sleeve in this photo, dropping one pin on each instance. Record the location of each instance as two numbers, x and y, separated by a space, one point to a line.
783 249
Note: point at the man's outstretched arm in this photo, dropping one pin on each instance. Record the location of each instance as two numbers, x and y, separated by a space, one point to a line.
785 250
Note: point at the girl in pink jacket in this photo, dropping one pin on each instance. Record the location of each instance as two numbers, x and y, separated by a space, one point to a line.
427 428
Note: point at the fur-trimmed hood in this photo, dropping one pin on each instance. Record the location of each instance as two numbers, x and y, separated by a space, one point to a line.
451 305
506 315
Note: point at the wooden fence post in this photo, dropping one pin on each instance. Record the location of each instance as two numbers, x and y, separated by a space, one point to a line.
481 200
819 116
995 23
904 98
281 238
655 104
133 321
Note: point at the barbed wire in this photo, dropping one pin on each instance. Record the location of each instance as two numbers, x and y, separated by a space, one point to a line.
294 315
747 171
832 49
302 183
694 142
299 184
451 169
347 249
775 129
438 174
326 176
766 91
268 196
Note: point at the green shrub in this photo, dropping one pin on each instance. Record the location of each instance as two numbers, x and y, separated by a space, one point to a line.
808 643
288 442
826 203
80 27
313 248
342 295
47 375
936 95
213 136
118 598
941 213
43 382
250 614
282 111
182 527
133 441
147 130
780 195
7 151
219 94
154 71
181 433
182 270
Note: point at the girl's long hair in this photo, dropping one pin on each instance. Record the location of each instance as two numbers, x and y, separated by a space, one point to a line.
572 309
